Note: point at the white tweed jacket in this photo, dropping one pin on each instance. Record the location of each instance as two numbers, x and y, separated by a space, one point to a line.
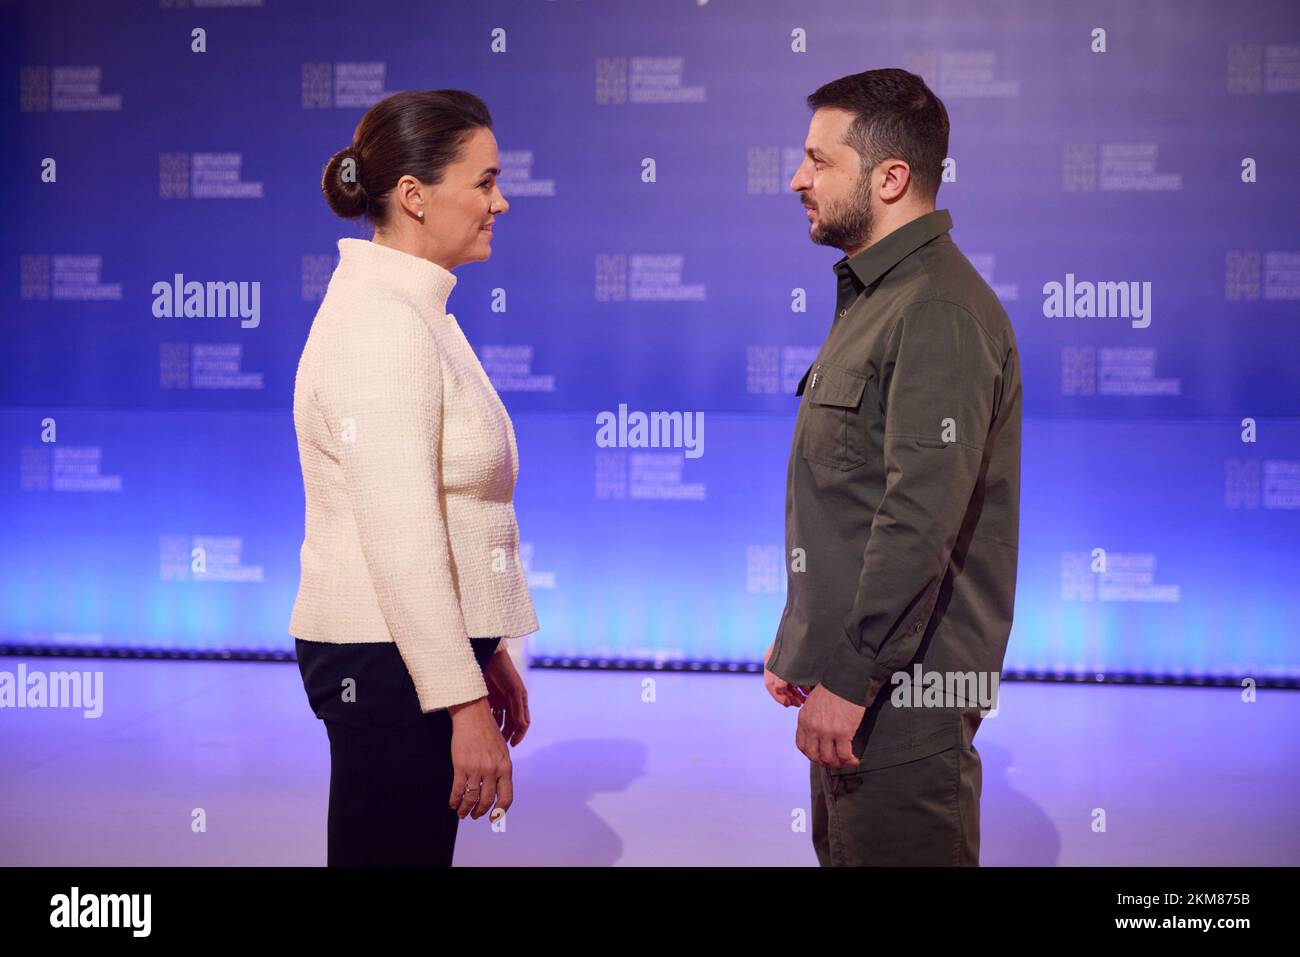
409 466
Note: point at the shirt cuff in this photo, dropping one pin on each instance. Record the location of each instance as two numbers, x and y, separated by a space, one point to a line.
850 675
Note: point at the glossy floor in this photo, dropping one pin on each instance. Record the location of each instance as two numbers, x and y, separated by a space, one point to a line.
690 769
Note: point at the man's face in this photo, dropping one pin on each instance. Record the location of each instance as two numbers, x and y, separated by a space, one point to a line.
832 185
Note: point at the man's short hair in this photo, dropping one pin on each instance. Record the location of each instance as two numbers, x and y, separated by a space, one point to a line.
896 116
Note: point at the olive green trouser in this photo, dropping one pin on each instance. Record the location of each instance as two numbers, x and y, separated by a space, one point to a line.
922 813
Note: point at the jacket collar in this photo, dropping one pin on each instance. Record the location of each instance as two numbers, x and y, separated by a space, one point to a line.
419 281
888 251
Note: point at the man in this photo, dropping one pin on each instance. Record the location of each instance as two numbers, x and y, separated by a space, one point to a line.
903 494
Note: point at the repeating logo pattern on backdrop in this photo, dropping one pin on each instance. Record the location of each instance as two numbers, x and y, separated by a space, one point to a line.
654 276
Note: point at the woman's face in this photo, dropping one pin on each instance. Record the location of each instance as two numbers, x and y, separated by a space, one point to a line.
463 207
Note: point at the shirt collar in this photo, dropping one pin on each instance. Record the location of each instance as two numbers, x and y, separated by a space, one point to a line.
887 252
419 281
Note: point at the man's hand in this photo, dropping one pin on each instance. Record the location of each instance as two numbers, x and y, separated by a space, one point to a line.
785 693
827 724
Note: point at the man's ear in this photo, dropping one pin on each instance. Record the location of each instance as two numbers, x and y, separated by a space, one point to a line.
896 177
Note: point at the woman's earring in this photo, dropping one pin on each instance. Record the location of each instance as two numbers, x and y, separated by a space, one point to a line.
420 214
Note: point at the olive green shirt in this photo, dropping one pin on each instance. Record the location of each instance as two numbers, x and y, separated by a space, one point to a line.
903 492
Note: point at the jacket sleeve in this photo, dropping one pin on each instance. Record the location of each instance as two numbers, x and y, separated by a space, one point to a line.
382 399
940 379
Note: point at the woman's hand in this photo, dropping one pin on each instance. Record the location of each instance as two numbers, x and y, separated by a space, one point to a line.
481 762
507 697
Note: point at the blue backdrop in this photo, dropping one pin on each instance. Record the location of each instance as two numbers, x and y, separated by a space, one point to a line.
653 257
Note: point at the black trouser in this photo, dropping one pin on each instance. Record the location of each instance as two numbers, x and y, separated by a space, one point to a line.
390 763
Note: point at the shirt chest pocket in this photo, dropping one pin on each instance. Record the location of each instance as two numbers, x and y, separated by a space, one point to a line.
835 427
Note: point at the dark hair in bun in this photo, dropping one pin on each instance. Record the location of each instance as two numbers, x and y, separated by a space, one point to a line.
419 133
341 184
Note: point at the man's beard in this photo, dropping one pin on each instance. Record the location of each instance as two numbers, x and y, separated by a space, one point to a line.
846 225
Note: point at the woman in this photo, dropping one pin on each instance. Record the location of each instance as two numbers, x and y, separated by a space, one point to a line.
409 465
